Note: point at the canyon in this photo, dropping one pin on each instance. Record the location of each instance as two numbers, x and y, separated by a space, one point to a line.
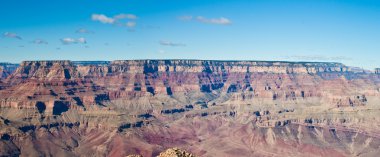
205 107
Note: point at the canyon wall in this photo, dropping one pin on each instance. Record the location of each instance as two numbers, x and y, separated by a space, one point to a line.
209 108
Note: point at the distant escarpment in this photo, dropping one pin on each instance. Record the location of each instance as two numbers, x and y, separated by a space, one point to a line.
6 69
377 70
210 108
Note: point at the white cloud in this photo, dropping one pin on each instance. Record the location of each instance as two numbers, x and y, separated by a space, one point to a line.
130 24
11 35
84 31
185 18
118 20
82 40
39 41
219 21
68 41
168 43
125 16
102 18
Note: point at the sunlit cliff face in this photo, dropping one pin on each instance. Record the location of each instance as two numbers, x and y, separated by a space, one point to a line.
209 108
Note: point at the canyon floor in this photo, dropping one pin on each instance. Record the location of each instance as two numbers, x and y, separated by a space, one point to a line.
207 108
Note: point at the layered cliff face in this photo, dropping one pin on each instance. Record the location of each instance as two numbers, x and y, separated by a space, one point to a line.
6 69
45 70
210 108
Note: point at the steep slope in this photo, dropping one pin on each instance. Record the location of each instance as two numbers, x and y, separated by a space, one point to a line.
210 108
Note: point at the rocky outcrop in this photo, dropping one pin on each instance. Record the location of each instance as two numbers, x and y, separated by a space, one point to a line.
175 152
134 155
171 152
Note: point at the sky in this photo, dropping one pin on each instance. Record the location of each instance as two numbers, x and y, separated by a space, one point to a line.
346 31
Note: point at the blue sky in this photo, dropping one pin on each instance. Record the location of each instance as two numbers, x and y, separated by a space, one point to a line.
344 31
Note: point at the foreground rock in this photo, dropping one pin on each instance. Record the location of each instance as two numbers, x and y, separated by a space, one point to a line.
175 152
171 152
